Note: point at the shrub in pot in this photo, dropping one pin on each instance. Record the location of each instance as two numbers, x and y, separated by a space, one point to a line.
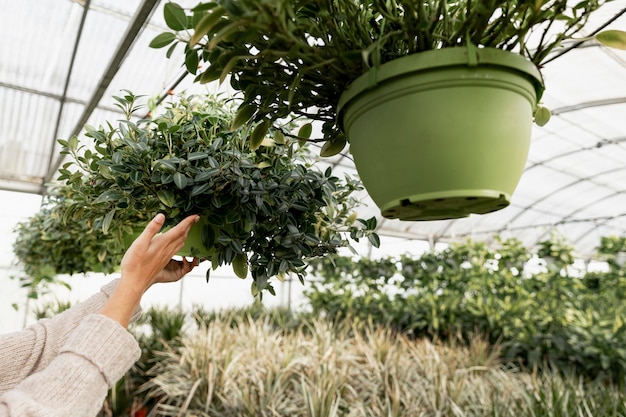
436 98
265 208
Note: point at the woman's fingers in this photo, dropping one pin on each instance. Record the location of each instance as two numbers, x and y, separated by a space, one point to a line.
185 225
153 227
177 234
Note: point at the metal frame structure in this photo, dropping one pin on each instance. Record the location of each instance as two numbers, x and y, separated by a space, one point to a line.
61 63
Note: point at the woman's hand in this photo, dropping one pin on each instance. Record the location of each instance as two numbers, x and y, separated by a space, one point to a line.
148 261
175 270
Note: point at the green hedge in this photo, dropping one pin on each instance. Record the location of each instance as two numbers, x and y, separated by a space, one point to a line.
554 315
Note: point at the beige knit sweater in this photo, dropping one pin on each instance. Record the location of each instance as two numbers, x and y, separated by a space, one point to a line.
64 366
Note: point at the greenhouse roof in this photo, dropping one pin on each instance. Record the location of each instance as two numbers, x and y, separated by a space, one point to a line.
61 63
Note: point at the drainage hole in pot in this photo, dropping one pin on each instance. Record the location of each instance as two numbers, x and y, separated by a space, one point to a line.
471 198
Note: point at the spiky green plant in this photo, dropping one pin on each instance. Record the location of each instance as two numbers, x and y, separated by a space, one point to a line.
342 369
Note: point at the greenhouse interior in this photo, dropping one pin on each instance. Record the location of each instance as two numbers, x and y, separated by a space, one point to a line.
318 295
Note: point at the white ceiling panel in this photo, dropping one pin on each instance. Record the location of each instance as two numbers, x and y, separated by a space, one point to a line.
50 86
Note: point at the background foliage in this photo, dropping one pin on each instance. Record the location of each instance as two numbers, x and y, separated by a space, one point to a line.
398 337
554 315
256 362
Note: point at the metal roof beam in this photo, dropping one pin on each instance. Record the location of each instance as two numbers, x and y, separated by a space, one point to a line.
597 225
54 96
21 186
588 104
142 14
68 77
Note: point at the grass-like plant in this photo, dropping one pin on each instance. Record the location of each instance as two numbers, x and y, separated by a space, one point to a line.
550 314
240 366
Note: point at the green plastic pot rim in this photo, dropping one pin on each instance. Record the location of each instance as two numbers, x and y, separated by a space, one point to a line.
440 59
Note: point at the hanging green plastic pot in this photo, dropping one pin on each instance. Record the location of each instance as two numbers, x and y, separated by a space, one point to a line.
194 244
442 134
197 243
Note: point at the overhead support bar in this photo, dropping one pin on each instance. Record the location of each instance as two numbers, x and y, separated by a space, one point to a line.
588 104
20 186
68 77
143 13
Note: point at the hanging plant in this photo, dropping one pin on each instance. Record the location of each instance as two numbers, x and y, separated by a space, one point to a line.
298 57
436 98
265 207
47 245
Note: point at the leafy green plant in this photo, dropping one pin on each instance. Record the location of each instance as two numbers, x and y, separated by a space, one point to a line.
612 245
295 58
536 317
613 250
347 369
265 208
48 245
557 253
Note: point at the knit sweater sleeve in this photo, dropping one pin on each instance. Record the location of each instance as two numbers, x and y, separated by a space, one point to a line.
32 349
96 354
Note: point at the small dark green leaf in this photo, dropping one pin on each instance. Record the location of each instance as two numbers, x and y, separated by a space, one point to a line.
194 156
205 175
210 74
166 197
279 137
108 196
305 131
199 189
258 134
205 25
191 61
175 17
333 147
136 176
374 239
162 40
371 223
244 113
170 50
208 236
106 223
240 265
180 180
231 64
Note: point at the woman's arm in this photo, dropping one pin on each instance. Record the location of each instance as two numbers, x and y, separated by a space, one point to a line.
96 355
148 261
99 350
32 349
